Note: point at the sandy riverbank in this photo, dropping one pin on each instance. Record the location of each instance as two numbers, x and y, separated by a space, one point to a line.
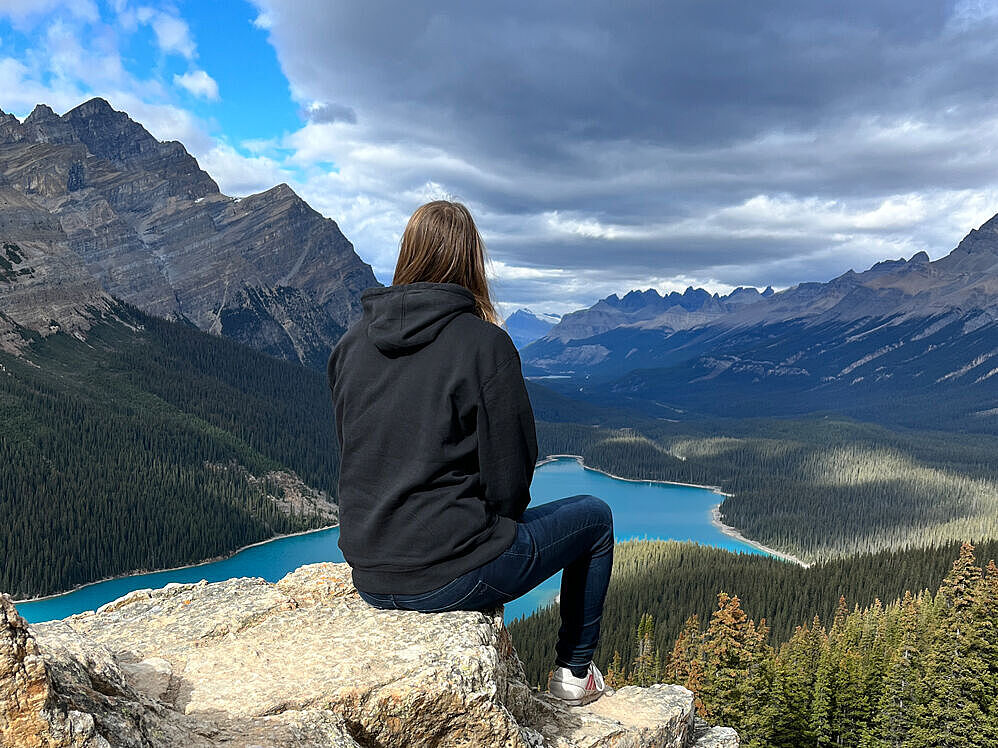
715 512
140 572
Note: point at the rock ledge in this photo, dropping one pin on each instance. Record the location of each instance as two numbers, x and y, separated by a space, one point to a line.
303 662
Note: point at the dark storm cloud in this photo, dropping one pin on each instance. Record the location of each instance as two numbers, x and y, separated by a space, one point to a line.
641 114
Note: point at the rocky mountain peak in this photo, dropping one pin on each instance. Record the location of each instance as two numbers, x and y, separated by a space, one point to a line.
44 126
888 264
153 229
115 136
40 113
94 107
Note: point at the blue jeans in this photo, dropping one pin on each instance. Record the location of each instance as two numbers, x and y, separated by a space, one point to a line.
574 534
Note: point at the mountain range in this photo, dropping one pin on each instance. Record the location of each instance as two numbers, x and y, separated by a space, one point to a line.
92 206
94 209
903 341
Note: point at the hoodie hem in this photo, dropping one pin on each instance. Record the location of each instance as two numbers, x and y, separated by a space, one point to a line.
427 579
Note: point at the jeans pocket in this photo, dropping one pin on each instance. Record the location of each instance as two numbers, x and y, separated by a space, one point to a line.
505 576
439 592
449 597
523 543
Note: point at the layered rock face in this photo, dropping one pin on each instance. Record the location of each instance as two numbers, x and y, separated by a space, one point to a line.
155 231
44 286
303 662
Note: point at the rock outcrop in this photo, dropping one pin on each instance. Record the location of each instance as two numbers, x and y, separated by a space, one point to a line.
153 229
303 662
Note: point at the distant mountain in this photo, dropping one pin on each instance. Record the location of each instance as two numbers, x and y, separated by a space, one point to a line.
904 341
569 346
673 311
525 326
96 202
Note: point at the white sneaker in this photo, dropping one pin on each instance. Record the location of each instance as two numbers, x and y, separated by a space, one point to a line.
577 691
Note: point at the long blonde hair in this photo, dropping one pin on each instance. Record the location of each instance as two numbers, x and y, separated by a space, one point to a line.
441 244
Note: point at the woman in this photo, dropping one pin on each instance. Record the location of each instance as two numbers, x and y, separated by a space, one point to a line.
438 449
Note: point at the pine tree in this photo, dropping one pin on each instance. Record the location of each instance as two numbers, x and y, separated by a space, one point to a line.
643 671
793 685
615 676
758 685
987 618
954 710
894 721
685 653
728 653
824 705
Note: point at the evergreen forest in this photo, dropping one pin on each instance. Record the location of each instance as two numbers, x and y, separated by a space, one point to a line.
671 581
916 672
817 487
119 452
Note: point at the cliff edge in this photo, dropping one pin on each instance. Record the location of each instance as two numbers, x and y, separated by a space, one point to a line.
300 662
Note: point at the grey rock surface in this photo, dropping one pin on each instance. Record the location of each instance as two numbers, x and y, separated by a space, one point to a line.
152 228
300 662
707 736
44 286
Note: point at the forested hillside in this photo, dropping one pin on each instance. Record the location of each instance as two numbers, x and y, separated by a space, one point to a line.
815 487
134 451
889 649
670 581
921 671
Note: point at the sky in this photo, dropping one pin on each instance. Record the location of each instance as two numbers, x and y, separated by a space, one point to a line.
601 147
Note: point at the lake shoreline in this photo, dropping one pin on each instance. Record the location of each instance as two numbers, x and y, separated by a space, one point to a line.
212 560
581 461
732 532
715 518
715 512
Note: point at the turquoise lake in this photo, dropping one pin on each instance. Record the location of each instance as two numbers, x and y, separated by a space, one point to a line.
641 509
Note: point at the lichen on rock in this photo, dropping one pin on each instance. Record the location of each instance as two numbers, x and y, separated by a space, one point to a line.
301 662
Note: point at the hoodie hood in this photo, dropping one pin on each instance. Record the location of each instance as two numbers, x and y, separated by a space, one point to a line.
402 319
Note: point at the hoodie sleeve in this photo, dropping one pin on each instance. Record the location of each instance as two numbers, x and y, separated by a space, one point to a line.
507 440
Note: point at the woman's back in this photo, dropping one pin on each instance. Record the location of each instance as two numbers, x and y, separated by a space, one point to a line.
437 451
431 400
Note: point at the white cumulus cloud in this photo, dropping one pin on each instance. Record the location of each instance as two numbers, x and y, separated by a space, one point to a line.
198 83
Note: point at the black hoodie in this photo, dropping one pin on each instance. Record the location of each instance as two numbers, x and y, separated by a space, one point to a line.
436 435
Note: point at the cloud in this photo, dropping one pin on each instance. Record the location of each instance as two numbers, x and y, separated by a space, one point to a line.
600 148
172 32
735 143
198 83
263 21
24 12
321 113
240 175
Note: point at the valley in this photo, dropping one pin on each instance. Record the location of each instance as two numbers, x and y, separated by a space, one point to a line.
163 402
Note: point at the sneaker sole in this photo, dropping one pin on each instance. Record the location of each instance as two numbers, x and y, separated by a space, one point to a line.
582 700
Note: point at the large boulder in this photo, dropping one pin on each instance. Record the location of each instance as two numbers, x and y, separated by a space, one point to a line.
300 662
